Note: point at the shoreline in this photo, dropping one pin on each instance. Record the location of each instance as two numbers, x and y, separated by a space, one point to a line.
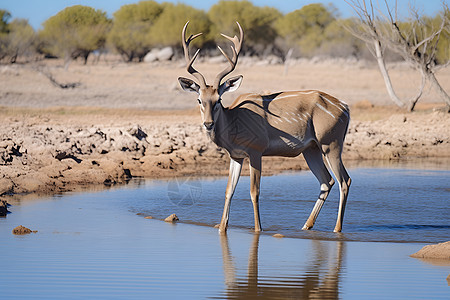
61 149
133 120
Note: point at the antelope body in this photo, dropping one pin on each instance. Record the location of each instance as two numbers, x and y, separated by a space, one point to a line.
281 124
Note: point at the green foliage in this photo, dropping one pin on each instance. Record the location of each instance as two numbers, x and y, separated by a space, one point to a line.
16 38
4 29
305 27
131 33
20 38
311 30
339 42
257 22
75 31
167 29
4 17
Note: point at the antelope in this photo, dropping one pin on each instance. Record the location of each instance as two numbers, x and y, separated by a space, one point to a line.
281 124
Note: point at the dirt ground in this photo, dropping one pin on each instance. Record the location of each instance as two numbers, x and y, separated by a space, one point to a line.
128 120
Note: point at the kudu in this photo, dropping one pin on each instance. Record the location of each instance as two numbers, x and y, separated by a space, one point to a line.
281 124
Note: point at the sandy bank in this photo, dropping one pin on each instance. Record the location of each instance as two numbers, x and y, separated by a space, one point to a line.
57 150
133 120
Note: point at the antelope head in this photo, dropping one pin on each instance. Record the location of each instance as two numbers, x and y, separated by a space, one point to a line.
209 96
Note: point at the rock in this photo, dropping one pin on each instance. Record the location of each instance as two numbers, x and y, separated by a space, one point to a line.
165 54
437 251
22 230
156 54
3 208
278 235
6 186
137 132
33 181
172 218
151 56
148 217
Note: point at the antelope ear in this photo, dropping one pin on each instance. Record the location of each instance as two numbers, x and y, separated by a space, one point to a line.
230 85
188 85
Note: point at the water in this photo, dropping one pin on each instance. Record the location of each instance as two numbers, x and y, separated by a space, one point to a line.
94 246
386 205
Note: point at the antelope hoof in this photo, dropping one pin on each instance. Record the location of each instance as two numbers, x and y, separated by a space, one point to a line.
306 227
337 230
222 229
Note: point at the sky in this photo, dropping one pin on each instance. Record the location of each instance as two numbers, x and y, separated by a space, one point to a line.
37 11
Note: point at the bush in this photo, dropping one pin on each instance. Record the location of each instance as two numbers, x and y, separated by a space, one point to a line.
20 39
305 27
339 42
131 33
4 29
257 22
167 29
75 32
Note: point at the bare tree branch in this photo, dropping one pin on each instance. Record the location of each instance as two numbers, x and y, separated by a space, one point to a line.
46 73
417 43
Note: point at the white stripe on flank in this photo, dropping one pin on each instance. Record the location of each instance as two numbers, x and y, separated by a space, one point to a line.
338 107
306 93
300 117
293 96
325 110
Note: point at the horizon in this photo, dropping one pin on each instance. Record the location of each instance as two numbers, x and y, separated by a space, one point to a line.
36 12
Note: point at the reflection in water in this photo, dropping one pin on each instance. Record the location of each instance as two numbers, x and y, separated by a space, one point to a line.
319 279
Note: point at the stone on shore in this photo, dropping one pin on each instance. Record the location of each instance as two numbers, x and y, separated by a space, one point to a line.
172 218
437 251
278 235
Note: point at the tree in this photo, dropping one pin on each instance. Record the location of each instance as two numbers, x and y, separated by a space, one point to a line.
75 32
258 22
130 34
4 17
4 30
305 27
338 42
167 29
20 38
417 43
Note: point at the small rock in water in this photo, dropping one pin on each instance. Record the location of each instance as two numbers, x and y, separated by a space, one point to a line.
171 218
148 217
22 230
278 235
437 251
